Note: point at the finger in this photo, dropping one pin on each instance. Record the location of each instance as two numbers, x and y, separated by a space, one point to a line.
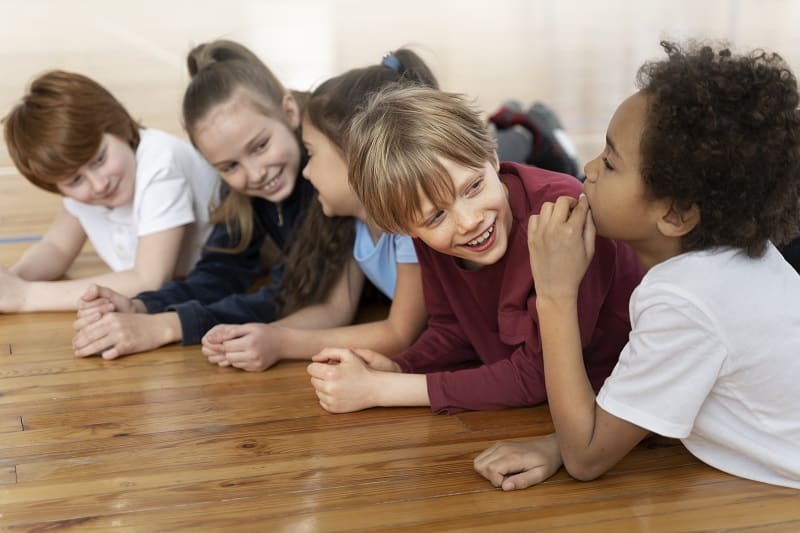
111 353
589 234
217 359
238 358
91 292
210 351
86 305
331 354
98 306
81 323
96 346
318 370
533 223
367 355
525 479
564 208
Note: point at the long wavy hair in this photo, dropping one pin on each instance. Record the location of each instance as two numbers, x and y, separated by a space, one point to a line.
221 70
330 108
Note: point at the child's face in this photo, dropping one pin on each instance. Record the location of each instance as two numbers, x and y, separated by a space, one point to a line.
255 154
327 171
108 179
614 186
476 225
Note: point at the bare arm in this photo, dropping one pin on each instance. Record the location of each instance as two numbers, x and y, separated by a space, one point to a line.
156 257
50 258
561 240
389 336
336 310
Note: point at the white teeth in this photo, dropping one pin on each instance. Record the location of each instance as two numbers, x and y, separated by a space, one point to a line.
482 238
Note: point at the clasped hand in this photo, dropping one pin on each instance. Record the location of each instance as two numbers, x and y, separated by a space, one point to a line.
561 241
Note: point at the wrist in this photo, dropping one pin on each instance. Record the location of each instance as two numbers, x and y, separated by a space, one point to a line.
138 306
171 324
390 389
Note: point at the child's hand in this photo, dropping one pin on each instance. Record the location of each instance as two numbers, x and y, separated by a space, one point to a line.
251 347
342 380
212 345
377 361
518 465
99 300
561 241
116 334
13 291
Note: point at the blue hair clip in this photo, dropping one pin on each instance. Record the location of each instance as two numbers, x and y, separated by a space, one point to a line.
390 60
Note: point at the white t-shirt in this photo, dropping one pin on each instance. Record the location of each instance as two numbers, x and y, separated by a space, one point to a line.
174 186
378 260
714 359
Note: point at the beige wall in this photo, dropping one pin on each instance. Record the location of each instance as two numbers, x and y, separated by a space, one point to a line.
578 55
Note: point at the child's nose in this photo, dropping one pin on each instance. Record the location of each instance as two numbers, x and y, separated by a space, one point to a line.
468 220
254 171
98 181
589 170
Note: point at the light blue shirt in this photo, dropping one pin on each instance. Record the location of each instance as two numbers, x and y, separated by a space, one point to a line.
379 260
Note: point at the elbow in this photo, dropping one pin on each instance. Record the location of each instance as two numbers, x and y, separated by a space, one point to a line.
583 470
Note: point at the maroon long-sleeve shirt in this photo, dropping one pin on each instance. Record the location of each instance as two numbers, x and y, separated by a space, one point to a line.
481 349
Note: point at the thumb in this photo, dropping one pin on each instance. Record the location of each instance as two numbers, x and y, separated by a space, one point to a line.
523 480
91 292
366 354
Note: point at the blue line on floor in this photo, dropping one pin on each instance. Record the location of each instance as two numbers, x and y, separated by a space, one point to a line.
24 238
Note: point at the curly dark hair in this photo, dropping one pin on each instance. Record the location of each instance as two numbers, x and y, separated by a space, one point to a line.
723 132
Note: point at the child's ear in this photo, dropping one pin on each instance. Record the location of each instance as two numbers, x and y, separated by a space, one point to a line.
677 222
292 110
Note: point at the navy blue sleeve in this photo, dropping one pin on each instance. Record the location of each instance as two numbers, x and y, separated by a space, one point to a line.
196 318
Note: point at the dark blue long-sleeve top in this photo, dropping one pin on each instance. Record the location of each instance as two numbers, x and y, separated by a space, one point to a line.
214 291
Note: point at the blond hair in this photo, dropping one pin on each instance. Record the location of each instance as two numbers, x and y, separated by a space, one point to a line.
397 143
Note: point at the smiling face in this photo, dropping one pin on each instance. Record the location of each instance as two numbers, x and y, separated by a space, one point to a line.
108 179
476 224
255 154
327 171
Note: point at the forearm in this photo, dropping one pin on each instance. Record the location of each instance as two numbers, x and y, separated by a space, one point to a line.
64 295
317 316
393 389
569 392
42 261
378 336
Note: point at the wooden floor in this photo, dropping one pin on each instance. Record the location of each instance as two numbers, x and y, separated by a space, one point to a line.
164 441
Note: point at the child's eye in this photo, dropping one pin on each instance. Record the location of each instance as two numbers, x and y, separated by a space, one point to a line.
435 218
607 164
100 158
475 186
260 146
227 169
74 181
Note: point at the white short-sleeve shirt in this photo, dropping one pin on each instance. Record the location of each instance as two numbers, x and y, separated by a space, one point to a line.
378 260
714 359
174 186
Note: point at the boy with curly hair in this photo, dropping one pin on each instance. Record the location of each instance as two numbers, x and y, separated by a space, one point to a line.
700 175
